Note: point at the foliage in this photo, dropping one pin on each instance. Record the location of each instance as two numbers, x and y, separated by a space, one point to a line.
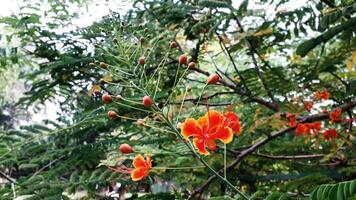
342 190
269 66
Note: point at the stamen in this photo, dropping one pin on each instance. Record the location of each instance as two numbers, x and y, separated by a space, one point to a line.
121 169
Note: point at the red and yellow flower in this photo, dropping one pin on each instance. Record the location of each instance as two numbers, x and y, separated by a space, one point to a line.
142 167
210 127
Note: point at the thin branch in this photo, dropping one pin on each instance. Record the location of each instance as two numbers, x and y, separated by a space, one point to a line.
210 104
265 140
46 166
7 178
224 49
318 61
256 99
253 51
219 70
338 78
294 157
329 3
211 96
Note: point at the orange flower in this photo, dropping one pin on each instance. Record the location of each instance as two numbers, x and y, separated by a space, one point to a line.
304 129
292 120
308 105
315 128
317 95
142 167
212 126
325 95
330 134
322 95
335 115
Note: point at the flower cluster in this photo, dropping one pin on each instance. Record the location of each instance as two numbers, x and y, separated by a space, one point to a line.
335 115
330 134
292 120
210 127
306 128
308 105
325 95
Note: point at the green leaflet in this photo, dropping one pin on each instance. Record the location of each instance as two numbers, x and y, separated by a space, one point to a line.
339 191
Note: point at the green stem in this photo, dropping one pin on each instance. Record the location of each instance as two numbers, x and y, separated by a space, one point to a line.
197 103
132 107
225 161
181 106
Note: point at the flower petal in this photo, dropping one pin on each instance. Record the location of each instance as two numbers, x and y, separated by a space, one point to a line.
139 162
225 135
211 144
200 146
216 119
139 173
233 122
190 128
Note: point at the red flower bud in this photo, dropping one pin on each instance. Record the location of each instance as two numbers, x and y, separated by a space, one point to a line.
188 88
173 45
125 148
183 59
141 60
191 65
103 65
106 98
112 114
140 122
212 79
147 101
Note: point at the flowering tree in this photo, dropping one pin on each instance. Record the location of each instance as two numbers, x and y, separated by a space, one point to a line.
218 99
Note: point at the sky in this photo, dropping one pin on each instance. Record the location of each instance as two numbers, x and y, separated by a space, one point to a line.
86 16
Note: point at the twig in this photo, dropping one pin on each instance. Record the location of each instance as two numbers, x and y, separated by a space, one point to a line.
219 70
294 157
211 96
7 178
210 104
224 49
48 165
338 78
253 51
